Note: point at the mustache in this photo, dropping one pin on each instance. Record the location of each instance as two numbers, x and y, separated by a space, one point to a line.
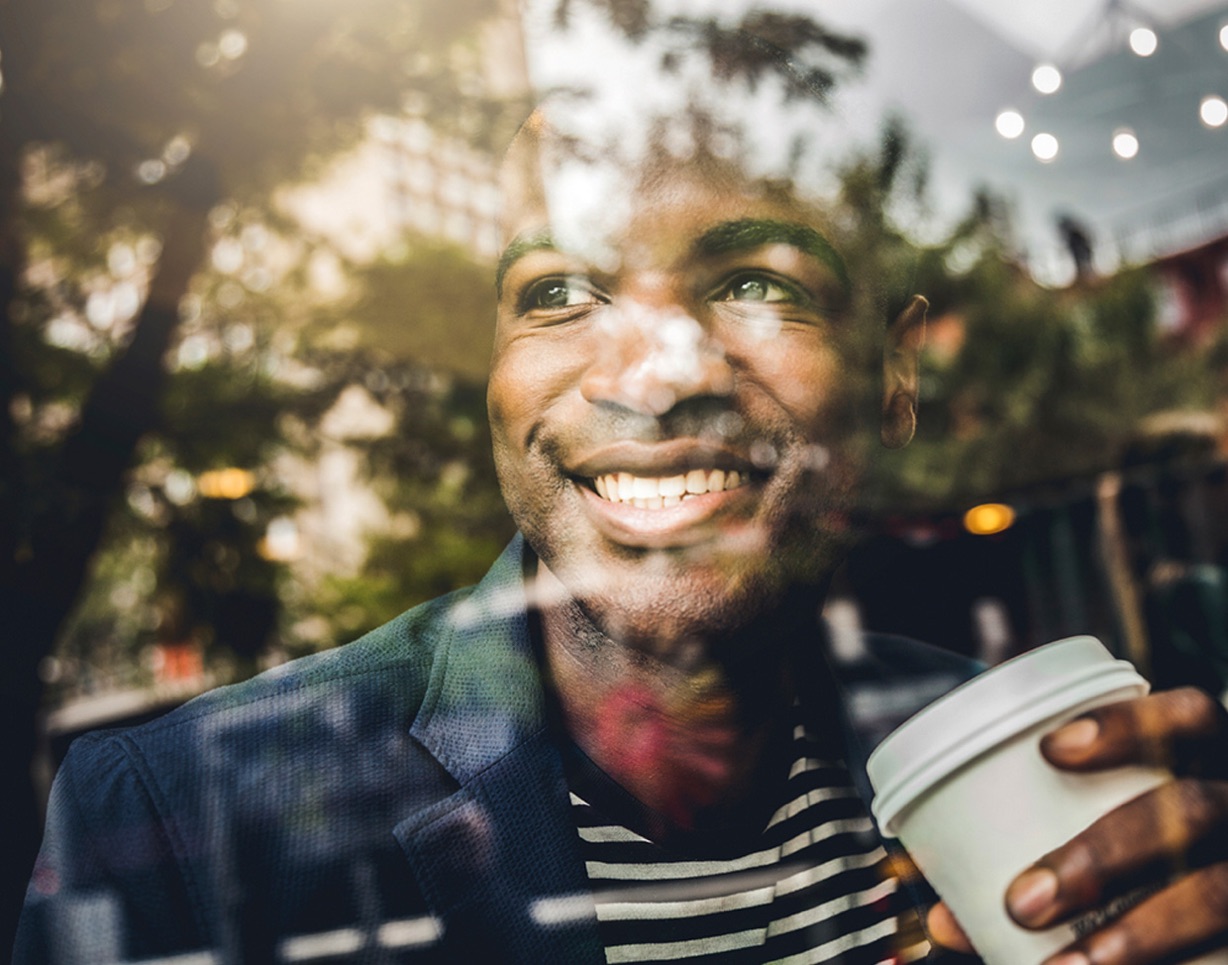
712 422
701 418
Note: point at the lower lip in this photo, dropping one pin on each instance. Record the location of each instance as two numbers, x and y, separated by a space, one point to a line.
669 525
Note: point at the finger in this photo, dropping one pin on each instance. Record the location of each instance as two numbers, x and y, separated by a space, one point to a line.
1190 916
1144 839
944 930
1170 729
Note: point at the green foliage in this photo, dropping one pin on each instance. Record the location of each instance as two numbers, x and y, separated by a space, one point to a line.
432 301
447 521
1040 384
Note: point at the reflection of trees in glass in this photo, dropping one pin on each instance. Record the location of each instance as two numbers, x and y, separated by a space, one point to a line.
139 146
1022 384
750 87
124 126
825 54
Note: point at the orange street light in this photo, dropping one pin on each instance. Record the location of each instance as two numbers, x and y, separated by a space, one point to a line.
989 519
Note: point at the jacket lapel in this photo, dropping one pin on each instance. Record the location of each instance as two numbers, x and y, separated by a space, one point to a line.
498 861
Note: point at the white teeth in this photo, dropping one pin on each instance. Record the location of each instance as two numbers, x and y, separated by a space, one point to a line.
673 486
644 488
649 492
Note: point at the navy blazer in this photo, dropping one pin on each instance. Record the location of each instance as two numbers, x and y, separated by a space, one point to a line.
396 799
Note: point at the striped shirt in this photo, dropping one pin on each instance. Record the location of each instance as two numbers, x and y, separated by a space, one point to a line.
814 886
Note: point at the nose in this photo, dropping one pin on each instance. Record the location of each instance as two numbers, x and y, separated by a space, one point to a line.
651 357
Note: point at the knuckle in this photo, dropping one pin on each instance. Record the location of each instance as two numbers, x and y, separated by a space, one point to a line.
1116 945
1200 805
1201 713
1214 887
1081 866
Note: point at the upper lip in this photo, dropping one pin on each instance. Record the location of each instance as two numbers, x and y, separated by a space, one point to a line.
658 459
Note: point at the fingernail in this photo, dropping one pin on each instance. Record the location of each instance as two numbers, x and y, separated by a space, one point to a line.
1078 735
1069 958
1031 895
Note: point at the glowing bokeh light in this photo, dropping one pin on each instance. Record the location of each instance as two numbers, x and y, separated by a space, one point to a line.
232 44
178 149
1046 78
1213 110
1223 36
228 483
151 171
1045 147
1010 124
281 540
207 54
1125 144
989 519
1143 41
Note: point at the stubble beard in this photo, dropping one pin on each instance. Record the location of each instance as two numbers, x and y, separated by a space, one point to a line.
715 598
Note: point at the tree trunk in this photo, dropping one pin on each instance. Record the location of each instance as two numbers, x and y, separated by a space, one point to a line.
44 562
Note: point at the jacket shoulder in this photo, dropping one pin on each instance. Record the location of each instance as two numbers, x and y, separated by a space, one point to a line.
392 661
278 783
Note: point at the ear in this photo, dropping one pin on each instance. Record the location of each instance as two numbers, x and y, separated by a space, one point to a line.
901 373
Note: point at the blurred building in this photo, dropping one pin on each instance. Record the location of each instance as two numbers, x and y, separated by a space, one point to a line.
1193 290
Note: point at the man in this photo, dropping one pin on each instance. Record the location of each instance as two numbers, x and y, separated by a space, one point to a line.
626 743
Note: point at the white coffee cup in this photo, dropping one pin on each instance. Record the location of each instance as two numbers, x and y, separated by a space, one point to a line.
964 787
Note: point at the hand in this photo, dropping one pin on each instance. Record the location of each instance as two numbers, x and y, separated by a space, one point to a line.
1179 831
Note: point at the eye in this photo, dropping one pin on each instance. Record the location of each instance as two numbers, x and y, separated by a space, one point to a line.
758 287
554 293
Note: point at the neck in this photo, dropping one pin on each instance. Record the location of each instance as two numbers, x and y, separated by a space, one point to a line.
685 727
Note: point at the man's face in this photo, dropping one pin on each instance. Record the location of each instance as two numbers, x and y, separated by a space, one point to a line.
679 404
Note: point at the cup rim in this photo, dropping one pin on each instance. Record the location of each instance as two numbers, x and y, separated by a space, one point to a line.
1007 700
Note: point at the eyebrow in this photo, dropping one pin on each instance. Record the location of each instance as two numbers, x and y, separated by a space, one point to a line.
749 233
520 246
728 236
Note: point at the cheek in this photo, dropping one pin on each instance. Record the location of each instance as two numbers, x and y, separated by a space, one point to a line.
516 385
529 375
812 381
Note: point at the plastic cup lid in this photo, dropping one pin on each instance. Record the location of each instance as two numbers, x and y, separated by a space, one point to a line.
986 711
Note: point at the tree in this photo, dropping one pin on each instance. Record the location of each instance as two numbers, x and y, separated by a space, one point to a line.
143 117
132 123
1030 384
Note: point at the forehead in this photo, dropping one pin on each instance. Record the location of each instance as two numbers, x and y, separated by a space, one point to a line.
601 205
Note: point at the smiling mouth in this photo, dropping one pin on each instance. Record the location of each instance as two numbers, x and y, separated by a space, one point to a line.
662 492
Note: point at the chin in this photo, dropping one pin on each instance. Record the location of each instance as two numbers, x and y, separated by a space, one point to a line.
666 603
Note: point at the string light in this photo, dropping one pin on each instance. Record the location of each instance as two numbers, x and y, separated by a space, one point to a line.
1010 124
1045 147
1143 41
1046 78
1125 144
1213 110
